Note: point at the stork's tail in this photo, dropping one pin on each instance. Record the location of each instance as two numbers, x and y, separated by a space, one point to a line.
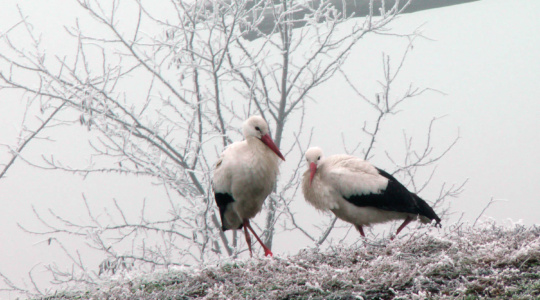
426 211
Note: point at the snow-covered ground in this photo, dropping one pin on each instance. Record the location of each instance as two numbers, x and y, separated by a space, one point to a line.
486 261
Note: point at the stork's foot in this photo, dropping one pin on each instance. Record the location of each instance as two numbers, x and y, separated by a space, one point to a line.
267 252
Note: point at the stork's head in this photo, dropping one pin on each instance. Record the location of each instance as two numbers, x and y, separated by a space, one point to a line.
257 127
313 157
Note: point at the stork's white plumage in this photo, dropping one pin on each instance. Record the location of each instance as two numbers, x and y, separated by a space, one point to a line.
244 176
359 193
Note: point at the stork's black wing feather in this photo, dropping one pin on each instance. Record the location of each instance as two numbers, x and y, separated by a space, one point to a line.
426 210
395 197
222 200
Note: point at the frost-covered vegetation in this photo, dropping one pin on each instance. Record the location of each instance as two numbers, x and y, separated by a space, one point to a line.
492 261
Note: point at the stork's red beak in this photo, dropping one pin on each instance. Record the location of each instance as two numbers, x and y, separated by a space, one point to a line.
267 140
313 169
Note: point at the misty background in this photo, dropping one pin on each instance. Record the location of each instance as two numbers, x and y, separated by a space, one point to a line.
480 57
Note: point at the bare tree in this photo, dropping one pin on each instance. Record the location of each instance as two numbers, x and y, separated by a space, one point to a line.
165 96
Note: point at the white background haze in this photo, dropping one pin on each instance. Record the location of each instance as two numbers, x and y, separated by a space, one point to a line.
485 56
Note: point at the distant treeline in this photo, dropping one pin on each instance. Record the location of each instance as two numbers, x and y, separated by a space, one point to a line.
358 8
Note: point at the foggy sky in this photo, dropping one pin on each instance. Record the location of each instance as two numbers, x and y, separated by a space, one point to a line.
483 56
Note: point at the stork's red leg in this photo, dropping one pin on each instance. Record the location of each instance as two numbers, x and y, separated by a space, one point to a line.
248 238
360 229
405 223
267 251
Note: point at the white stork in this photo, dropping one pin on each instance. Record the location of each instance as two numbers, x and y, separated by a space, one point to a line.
359 193
244 176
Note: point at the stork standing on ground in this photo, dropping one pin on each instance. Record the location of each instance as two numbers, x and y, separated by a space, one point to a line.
359 193
244 176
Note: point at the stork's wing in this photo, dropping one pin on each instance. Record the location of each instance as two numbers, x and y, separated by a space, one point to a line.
222 200
395 197
426 210
351 176
221 179
221 182
220 187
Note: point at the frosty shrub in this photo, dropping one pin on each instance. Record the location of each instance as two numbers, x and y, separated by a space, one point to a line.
490 261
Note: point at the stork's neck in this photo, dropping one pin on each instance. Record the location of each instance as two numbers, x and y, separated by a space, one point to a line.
259 148
260 160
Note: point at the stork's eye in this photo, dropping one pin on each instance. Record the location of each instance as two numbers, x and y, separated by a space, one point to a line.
319 158
257 128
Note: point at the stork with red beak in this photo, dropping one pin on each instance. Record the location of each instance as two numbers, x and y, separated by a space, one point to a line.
244 176
359 193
